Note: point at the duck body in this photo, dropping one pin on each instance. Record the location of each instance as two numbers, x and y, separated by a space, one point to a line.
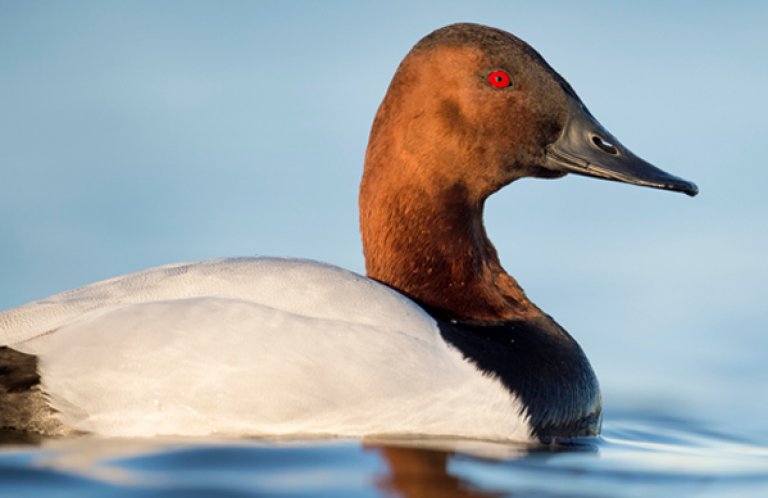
259 346
436 340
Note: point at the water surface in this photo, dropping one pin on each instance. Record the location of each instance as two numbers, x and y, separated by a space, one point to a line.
635 457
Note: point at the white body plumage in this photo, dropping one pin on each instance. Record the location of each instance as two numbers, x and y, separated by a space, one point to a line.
255 346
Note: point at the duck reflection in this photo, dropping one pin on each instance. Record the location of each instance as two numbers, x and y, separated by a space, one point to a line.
423 473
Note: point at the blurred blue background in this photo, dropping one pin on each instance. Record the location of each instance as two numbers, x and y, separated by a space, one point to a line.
140 133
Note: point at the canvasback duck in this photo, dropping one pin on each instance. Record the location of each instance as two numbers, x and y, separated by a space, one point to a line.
437 340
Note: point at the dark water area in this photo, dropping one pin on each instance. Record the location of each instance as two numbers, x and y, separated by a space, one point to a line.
643 456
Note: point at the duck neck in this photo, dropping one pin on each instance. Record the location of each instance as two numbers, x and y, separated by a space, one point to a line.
430 244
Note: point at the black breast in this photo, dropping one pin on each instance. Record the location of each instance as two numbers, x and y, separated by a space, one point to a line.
541 364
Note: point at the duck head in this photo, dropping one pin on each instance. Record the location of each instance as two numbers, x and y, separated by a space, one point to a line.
469 110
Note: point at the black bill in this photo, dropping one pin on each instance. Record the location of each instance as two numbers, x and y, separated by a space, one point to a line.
586 148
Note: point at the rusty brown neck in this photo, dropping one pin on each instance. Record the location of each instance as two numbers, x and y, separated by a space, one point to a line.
430 244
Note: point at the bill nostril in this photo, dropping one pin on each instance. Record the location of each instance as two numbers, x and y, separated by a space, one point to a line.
604 145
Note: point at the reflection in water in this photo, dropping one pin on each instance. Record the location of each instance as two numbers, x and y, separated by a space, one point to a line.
422 468
423 473
634 458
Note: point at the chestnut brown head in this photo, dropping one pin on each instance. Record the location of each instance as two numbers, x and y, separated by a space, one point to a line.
478 107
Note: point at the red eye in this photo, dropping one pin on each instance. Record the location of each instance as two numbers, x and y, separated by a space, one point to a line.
499 79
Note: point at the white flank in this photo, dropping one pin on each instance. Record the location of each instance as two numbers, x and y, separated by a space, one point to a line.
257 346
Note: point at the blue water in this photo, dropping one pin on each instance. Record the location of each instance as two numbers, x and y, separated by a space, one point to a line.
635 457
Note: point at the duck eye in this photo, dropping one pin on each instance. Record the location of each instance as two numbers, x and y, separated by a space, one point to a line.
499 79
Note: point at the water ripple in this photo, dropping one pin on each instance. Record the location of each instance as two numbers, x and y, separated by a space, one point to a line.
635 457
